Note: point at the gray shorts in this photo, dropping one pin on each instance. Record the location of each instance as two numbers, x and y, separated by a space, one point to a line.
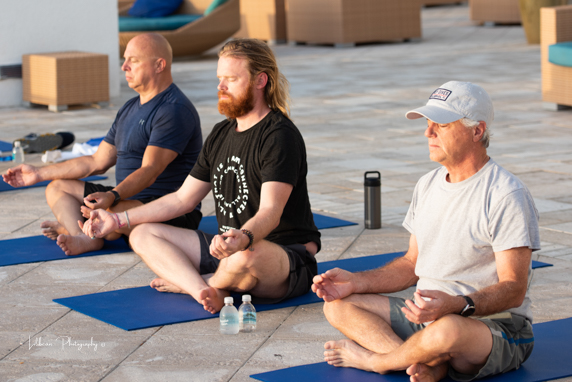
303 268
513 340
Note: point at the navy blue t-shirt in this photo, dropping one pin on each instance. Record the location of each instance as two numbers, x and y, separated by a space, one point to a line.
168 121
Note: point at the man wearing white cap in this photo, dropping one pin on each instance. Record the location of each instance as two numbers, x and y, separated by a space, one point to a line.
473 228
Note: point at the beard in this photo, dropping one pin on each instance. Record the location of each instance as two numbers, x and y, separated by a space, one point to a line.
237 107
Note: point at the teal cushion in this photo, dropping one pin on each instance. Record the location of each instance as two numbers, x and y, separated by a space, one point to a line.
168 23
154 8
561 53
214 5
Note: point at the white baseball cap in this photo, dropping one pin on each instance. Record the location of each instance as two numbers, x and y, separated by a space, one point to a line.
455 100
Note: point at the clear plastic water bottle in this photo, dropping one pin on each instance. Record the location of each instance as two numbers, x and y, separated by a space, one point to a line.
228 317
247 315
18 152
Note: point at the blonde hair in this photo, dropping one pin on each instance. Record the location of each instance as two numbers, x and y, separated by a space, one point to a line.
260 59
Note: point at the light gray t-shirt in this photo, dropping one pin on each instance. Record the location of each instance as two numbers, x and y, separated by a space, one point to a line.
459 227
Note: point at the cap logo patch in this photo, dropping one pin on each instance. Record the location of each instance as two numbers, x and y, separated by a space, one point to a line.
440 94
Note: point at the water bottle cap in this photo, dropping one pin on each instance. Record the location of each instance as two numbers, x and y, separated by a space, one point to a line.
228 300
372 182
246 297
17 144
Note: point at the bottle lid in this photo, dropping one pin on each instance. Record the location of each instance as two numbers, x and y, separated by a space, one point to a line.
246 297
372 181
228 300
17 144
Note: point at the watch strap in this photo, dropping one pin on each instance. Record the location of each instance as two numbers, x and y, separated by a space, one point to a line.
469 309
117 197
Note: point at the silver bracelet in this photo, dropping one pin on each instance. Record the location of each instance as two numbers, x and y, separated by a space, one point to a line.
127 218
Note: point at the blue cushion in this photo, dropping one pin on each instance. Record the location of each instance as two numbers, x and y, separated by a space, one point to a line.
561 53
154 8
137 24
214 5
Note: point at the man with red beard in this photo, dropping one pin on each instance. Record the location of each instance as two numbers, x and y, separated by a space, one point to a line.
255 164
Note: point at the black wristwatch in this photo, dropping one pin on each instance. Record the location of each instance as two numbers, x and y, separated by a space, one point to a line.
117 197
469 309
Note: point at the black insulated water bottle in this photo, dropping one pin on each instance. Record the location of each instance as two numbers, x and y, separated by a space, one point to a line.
372 191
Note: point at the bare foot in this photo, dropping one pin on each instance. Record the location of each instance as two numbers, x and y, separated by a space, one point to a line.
346 353
424 373
76 245
212 299
165 286
53 229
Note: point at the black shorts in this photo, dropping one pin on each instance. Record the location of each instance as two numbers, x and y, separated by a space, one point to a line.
303 268
190 220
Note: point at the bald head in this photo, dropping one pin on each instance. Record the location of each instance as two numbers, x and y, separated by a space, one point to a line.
153 45
147 65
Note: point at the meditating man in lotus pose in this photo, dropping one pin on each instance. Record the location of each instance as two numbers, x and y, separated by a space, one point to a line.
473 228
154 142
255 164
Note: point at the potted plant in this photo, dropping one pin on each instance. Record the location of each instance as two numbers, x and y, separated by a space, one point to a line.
530 16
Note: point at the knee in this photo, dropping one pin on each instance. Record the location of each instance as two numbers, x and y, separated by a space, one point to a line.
245 260
444 333
55 187
335 311
139 236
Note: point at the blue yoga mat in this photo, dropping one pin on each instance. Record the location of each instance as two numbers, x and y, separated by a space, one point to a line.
209 224
39 248
144 307
540 264
5 146
6 187
95 141
550 359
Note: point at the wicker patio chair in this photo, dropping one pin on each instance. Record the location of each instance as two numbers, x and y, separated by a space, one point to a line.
555 27
342 22
496 11
200 35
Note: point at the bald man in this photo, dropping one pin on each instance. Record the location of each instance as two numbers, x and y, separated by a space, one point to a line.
154 143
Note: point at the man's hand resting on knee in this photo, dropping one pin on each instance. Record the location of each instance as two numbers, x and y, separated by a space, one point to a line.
335 284
228 243
100 224
22 175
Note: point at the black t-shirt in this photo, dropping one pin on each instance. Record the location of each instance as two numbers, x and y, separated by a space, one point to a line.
237 163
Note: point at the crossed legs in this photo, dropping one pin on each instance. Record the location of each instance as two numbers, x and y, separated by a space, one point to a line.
463 343
174 254
65 198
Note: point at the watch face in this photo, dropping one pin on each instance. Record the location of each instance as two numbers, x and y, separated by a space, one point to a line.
468 311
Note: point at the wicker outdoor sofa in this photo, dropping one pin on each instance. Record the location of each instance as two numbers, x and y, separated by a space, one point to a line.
195 37
556 27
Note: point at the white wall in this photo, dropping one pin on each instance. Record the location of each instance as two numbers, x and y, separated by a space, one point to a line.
40 26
